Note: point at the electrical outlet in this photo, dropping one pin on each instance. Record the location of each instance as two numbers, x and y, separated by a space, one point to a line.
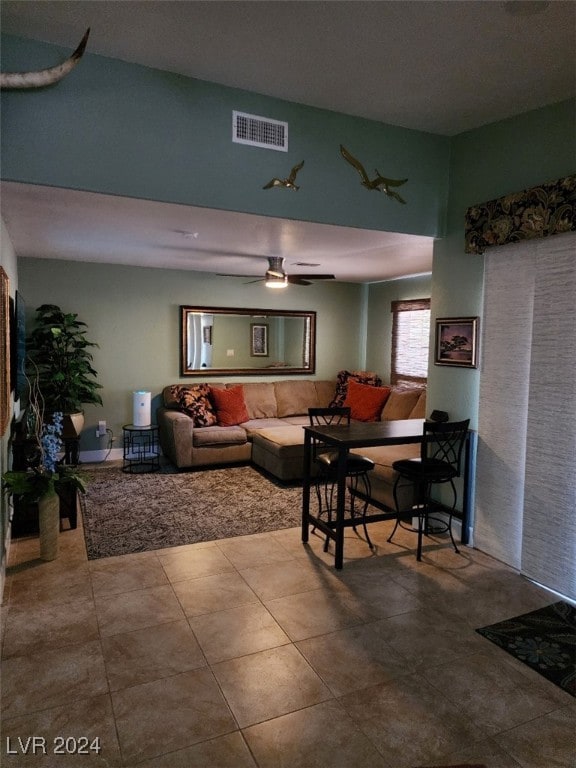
101 431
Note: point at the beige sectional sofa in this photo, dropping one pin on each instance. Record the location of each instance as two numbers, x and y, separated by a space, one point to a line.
272 437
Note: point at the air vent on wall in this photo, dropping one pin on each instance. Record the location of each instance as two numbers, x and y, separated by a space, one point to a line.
259 131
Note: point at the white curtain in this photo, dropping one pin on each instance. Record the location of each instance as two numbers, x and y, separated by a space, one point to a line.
525 480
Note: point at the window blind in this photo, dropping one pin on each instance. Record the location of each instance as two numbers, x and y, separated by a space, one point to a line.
410 341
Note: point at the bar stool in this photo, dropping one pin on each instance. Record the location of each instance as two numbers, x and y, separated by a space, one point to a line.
326 461
440 462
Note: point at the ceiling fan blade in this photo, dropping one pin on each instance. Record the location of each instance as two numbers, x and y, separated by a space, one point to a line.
313 277
298 280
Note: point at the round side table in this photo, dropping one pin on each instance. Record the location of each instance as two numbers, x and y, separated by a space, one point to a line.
141 449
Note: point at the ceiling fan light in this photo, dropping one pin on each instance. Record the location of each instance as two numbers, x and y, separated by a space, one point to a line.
276 281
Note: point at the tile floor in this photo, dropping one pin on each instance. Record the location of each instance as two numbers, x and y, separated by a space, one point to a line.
254 652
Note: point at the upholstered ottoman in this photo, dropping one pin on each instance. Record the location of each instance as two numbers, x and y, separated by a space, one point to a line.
280 451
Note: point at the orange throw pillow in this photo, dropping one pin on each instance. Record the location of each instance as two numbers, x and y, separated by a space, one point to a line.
230 406
365 402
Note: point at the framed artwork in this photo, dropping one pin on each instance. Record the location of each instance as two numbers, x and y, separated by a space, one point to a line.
4 351
207 334
259 339
456 341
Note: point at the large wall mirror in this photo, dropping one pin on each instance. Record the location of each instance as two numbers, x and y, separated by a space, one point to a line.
234 342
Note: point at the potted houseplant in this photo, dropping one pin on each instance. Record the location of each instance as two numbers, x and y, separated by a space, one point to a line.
47 479
61 358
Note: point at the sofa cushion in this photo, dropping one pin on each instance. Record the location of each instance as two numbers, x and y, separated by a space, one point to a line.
324 392
363 377
260 400
294 397
195 402
283 436
230 405
419 410
255 425
400 403
365 402
219 436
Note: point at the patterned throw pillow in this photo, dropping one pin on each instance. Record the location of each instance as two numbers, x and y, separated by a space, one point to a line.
195 401
362 377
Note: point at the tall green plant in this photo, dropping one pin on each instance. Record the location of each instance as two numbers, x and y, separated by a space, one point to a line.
62 360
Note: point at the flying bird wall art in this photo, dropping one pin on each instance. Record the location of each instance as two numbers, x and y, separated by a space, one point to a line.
379 183
289 183
43 77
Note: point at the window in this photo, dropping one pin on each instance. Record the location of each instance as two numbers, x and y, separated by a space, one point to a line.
410 341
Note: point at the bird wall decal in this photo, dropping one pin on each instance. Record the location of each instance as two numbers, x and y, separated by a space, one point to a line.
289 183
379 183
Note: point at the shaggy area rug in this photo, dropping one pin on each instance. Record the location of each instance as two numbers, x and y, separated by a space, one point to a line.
126 513
545 640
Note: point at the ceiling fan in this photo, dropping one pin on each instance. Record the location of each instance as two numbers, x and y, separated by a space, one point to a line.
276 276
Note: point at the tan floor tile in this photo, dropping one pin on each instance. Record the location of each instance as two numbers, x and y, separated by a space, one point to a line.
237 632
250 551
547 741
289 578
71 551
137 609
111 576
321 736
372 585
228 751
48 625
55 587
354 658
137 657
52 678
191 563
487 753
493 693
90 722
315 613
268 684
170 714
410 722
213 593
497 597
428 637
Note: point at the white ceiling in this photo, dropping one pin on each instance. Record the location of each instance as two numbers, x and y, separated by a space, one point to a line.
443 67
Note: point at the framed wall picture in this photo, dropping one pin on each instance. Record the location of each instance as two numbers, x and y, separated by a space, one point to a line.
456 341
259 339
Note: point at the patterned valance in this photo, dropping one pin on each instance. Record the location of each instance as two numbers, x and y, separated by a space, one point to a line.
537 212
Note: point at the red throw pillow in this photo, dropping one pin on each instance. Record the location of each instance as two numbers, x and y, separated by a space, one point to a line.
365 402
230 406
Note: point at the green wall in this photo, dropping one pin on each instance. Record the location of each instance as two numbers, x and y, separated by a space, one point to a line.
486 163
133 314
125 129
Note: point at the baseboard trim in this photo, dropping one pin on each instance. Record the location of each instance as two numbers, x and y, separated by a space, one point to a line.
96 457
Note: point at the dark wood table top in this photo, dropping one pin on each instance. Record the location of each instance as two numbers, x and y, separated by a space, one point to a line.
366 433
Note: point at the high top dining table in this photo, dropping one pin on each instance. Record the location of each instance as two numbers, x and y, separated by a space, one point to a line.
343 438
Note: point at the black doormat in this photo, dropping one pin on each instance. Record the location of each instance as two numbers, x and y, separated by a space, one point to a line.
545 640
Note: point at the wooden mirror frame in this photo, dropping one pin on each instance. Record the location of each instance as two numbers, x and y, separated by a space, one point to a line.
260 318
